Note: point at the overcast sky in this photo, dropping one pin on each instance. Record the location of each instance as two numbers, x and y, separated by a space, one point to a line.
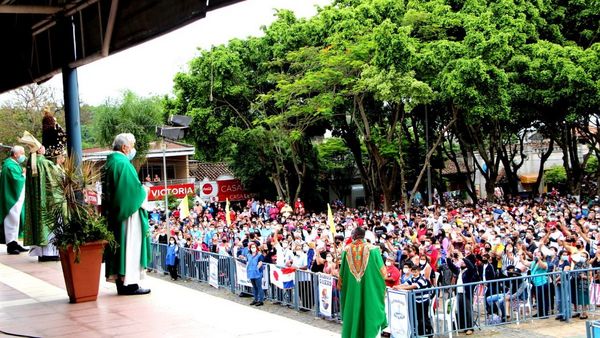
149 68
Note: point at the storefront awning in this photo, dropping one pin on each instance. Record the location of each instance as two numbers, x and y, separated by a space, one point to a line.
528 178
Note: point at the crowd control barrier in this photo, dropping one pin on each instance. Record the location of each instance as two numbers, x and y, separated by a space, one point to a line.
437 311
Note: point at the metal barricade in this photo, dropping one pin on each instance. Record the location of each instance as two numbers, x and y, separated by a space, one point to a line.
441 310
304 287
581 290
592 329
445 310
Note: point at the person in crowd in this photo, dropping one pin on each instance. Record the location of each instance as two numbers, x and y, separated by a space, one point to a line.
425 268
540 282
392 277
12 198
172 258
254 270
422 300
466 272
124 196
563 265
580 288
362 284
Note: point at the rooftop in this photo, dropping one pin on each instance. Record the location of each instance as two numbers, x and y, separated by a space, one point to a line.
212 171
154 150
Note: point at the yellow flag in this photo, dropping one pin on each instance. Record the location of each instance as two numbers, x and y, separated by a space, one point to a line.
330 220
227 215
184 208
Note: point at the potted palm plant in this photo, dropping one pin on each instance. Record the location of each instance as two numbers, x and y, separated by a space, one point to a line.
80 232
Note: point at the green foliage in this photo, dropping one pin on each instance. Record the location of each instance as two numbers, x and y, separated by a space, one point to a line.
499 66
591 167
72 221
130 114
555 175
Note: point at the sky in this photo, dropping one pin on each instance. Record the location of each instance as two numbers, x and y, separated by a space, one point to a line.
149 68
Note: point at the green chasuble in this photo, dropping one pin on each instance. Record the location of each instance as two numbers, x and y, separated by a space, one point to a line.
41 192
123 195
362 291
12 183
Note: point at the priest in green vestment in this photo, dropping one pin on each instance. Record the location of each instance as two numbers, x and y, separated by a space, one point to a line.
41 191
362 284
122 203
12 197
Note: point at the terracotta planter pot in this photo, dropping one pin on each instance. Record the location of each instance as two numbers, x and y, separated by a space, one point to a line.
83 279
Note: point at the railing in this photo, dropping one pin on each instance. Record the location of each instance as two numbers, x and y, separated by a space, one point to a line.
448 310
229 273
592 329
438 311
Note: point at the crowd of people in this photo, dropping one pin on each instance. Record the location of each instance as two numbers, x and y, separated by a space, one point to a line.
446 244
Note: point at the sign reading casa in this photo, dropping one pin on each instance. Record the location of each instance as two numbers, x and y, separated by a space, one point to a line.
232 190
177 190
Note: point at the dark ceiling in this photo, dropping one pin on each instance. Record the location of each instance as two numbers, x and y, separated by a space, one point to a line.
39 38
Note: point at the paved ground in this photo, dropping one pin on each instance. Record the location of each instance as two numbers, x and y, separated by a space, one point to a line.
33 302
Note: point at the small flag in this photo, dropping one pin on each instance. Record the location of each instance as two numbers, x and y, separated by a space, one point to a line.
227 214
184 208
282 278
330 220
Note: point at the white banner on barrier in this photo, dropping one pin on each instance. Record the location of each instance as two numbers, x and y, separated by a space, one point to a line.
398 314
213 272
241 275
325 293
265 279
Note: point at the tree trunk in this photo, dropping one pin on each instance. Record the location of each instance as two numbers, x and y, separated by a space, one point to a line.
543 159
430 152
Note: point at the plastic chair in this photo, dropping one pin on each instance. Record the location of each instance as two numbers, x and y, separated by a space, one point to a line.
479 303
448 316
432 306
517 304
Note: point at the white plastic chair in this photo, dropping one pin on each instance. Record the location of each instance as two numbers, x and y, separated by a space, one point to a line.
447 315
479 303
432 307
518 305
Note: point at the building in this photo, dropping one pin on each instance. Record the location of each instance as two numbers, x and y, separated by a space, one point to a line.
177 156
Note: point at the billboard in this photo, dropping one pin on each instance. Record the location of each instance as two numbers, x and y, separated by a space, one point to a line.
233 190
177 190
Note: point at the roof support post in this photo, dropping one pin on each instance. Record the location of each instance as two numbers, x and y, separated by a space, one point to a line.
73 124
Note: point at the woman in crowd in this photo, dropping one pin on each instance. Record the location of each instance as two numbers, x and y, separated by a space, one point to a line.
172 258
539 268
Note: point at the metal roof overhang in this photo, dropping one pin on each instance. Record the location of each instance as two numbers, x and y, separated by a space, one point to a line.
39 38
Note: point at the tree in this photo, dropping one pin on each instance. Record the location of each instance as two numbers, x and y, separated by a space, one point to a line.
25 109
130 114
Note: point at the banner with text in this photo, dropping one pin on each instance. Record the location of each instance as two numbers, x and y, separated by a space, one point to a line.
325 292
213 272
177 190
399 320
232 190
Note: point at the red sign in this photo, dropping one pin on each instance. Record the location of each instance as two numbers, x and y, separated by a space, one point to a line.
207 189
90 197
232 190
178 190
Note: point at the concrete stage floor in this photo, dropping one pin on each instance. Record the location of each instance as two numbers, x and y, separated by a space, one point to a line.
33 302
